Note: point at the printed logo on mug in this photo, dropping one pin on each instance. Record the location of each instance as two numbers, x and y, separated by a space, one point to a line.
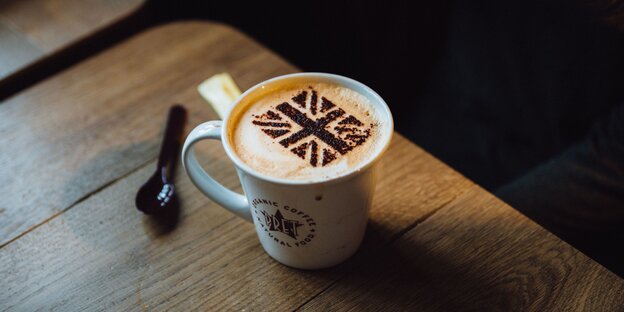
305 148
287 226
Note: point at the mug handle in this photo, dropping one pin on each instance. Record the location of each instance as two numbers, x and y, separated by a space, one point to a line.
232 201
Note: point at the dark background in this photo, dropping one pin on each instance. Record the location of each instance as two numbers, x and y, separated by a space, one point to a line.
493 88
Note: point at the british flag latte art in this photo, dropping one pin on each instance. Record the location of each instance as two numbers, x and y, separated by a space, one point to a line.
306 131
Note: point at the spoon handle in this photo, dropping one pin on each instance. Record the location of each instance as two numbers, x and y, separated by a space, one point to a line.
172 139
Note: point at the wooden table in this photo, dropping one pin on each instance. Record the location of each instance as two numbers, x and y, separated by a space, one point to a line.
31 30
75 148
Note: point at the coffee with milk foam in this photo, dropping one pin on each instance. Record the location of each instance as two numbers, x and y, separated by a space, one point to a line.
306 131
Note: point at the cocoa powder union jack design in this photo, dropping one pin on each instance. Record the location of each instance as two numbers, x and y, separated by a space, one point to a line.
312 128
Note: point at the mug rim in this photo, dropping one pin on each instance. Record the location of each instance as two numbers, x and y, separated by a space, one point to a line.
338 79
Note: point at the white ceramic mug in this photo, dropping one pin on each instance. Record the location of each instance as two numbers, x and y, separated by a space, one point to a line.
300 224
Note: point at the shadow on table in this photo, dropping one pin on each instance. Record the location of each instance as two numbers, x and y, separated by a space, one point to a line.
163 223
407 276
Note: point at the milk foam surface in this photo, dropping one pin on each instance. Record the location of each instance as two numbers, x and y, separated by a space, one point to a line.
306 132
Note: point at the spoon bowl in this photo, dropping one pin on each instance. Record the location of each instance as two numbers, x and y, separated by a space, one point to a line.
156 195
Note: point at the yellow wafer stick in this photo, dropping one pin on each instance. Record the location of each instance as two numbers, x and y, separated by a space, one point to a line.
219 91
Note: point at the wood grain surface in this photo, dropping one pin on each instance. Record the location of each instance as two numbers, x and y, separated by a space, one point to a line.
105 254
475 254
33 29
76 147
73 134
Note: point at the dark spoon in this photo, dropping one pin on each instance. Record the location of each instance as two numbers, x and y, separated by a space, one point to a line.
157 195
